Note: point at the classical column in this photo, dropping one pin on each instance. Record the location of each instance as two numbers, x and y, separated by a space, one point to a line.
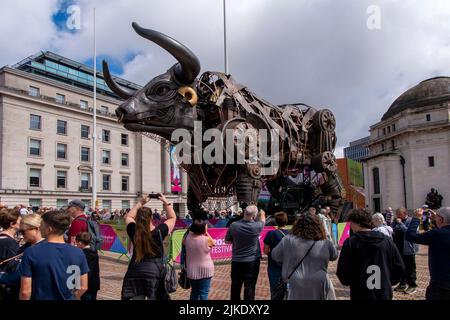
166 168
184 181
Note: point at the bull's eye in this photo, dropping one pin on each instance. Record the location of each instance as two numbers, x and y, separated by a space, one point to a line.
162 90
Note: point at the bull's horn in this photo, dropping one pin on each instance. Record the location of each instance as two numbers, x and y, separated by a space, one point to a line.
117 89
188 66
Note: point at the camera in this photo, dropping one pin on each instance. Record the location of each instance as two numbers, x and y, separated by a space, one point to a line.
154 195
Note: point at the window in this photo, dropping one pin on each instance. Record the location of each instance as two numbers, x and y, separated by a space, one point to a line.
35 203
124 139
35 122
85 153
84 131
61 179
105 135
61 127
428 117
393 144
431 161
125 180
83 104
106 204
35 147
124 159
384 131
376 204
35 177
106 157
60 98
34 92
61 151
87 204
85 179
382 147
376 181
389 129
61 203
125 204
106 182
393 127
104 110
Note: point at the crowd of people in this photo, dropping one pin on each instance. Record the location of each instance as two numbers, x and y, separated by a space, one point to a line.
53 255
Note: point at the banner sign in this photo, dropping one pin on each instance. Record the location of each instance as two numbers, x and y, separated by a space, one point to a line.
114 240
344 232
220 251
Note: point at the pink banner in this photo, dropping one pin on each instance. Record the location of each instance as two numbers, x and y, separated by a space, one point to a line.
345 234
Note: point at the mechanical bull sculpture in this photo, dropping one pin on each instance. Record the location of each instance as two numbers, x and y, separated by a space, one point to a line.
177 98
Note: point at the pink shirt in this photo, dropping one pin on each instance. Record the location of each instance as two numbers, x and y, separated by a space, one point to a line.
199 264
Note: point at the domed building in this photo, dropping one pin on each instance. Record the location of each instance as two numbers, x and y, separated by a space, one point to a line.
410 149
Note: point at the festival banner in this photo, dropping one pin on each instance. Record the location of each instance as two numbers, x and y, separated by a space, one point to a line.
220 251
344 232
113 239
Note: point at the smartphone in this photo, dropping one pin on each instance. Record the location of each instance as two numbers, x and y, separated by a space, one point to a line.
154 195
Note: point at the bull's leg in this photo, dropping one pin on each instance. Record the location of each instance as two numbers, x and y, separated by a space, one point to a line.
332 192
247 190
194 205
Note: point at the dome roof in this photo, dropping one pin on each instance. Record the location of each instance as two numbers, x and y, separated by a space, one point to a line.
428 92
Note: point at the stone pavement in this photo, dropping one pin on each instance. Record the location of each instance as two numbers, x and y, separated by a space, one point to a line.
112 272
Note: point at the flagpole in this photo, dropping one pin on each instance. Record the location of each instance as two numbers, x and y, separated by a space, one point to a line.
225 52
94 134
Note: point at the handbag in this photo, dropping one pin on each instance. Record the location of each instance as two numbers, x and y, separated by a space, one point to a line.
170 276
280 290
183 279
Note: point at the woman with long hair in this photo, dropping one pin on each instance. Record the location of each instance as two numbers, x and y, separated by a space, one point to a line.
307 243
144 279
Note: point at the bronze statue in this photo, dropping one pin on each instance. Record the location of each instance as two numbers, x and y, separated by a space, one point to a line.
434 199
178 97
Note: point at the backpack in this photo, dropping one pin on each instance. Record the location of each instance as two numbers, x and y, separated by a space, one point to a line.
94 231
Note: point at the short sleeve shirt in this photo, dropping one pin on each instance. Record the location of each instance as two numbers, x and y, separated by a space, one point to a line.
272 239
53 268
160 229
78 225
245 238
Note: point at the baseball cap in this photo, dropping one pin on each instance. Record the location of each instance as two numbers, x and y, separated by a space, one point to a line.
76 203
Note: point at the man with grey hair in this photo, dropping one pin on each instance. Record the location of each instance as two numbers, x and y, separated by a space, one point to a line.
246 252
379 224
438 242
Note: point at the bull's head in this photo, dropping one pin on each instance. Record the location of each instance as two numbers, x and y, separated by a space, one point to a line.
168 101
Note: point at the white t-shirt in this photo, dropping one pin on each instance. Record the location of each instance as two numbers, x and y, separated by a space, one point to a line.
23 211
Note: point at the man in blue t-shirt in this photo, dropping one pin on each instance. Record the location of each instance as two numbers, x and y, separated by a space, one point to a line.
53 269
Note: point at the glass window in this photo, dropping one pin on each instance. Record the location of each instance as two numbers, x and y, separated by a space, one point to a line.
376 180
35 177
85 177
61 177
87 203
61 127
106 182
428 116
35 147
83 104
125 180
105 135
85 153
34 92
84 131
125 204
106 157
60 98
73 72
61 203
63 68
431 161
384 131
106 204
377 204
61 150
35 203
393 127
35 122
104 110
124 159
124 139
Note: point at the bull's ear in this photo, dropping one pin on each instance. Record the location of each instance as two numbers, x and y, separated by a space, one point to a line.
117 89
188 66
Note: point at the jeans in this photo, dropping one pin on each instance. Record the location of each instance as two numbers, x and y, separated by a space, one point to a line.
274 273
244 273
200 288
409 276
435 293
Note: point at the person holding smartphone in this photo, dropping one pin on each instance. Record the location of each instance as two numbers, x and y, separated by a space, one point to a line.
144 277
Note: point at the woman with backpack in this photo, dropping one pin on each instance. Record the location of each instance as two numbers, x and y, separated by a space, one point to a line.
144 279
304 255
271 240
